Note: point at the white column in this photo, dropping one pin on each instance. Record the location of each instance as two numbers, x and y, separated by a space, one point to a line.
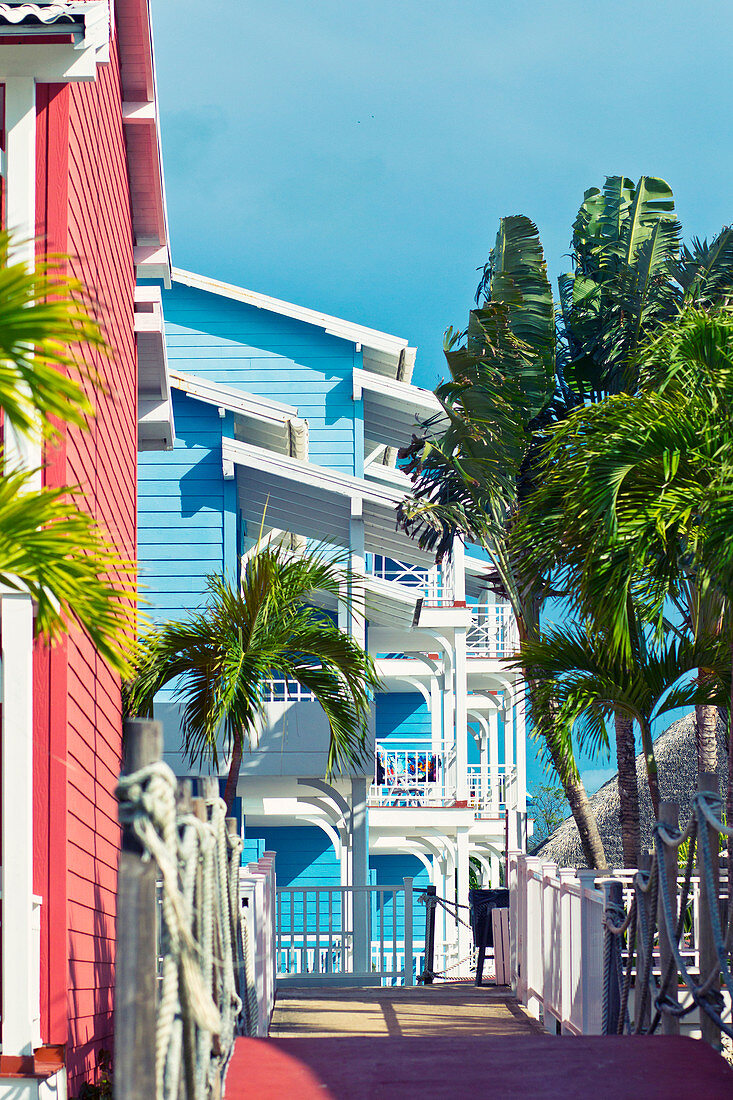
449 727
461 715
20 965
360 873
459 570
464 934
484 785
18 954
521 749
436 718
494 760
508 716
357 563
494 864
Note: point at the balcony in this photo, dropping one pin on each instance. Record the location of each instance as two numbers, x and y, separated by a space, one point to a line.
492 633
435 585
419 778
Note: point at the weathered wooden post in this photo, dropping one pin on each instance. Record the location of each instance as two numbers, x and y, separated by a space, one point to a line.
429 967
669 816
136 963
708 782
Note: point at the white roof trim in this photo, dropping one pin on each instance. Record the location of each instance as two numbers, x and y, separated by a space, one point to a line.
317 477
414 397
334 326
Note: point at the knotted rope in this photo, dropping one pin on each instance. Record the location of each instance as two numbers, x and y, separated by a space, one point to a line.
641 924
203 961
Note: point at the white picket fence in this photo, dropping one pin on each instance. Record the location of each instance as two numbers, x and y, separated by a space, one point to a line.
258 886
556 935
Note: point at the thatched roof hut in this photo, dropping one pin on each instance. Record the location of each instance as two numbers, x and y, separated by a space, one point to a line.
676 755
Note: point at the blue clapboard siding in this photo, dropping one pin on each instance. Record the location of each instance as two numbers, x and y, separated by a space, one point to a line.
272 356
304 858
402 720
181 513
304 854
390 870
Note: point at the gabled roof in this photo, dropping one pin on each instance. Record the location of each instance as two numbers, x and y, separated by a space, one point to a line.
382 353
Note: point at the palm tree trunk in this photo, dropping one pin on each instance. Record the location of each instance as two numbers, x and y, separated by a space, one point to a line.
575 792
628 790
651 765
706 718
230 791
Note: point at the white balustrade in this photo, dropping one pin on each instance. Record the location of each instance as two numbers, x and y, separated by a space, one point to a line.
315 935
280 690
435 583
556 932
419 777
492 633
257 886
556 928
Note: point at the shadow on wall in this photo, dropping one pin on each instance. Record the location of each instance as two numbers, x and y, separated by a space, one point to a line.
91 995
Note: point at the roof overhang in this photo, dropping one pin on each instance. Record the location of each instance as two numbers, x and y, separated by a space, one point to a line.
317 502
393 410
141 122
155 428
268 424
385 354
60 41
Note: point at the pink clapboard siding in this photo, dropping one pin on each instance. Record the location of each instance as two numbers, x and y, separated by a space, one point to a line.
84 211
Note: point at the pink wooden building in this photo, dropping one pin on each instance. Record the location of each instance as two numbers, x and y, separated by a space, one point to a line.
83 176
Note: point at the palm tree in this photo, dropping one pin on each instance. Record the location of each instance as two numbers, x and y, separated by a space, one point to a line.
221 658
590 685
637 492
50 547
514 375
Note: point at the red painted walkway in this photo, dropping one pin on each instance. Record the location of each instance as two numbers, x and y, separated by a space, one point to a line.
533 1067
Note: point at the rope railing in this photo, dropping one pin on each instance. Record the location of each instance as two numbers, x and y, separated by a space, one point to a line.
189 930
653 927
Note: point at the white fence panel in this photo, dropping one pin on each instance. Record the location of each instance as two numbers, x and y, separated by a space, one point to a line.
257 884
315 935
556 944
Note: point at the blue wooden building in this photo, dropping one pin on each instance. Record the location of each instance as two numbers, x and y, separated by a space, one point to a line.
287 424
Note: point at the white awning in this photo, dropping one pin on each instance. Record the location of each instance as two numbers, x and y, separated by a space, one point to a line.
269 424
317 502
392 410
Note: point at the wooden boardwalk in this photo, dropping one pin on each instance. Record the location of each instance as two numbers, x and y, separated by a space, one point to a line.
449 1041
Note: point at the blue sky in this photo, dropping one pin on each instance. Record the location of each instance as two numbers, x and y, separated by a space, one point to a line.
356 157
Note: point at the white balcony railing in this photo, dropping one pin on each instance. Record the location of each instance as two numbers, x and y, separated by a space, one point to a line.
490 789
418 777
435 584
286 691
492 632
